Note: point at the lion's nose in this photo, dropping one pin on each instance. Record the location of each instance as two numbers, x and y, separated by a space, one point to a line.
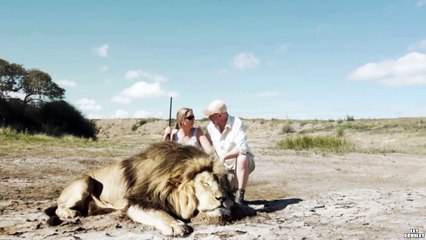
220 198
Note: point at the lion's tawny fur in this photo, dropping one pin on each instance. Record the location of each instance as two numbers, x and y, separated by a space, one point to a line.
164 186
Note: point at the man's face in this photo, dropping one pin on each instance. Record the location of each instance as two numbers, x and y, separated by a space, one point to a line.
215 118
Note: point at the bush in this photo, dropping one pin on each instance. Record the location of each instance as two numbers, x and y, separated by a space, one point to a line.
52 118
61 118
320 143
340 132
142 122
287 128
350 118
19 116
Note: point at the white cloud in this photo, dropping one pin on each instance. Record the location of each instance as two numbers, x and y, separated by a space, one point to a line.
102 51
66 83
141 90
145 114
418 45
138 74
132 74
121 99
407 70
144 90
121 114
420 2
244 61
268 94
87 104
95 116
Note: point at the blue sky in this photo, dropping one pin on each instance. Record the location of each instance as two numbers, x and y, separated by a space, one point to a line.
266 59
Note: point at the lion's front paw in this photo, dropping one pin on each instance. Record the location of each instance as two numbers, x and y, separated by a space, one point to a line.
177 228
67 213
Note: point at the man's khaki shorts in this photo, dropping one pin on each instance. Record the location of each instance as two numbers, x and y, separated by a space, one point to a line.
231 164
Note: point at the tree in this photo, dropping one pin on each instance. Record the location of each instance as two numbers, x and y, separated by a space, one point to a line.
37 85
11 75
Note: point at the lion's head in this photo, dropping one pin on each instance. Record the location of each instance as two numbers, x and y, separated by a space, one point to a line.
212 194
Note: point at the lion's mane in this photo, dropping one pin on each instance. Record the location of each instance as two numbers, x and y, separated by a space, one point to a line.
160 177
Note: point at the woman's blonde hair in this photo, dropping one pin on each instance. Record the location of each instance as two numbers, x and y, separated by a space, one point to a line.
180 115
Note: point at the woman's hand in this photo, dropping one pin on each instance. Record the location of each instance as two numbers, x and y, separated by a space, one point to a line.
167 133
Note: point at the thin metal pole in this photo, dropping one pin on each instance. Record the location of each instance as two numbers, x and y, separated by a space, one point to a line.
170 112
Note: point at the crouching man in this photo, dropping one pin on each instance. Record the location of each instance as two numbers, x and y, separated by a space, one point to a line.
228 137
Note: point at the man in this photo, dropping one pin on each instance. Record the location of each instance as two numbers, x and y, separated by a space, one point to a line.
229 140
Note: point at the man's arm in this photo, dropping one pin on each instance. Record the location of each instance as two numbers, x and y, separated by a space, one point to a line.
241 139
231 154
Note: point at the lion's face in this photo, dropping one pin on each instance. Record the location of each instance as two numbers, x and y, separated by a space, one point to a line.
212 195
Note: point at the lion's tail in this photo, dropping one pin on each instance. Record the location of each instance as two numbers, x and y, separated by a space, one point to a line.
53 220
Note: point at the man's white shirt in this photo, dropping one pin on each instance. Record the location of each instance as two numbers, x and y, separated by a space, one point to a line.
232 135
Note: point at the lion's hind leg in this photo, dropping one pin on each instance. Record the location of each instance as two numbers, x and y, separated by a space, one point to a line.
75 198
160 219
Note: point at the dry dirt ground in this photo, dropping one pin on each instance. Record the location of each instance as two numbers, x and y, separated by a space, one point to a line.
378 192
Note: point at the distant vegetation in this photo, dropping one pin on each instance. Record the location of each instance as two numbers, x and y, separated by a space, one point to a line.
142 122
316 143
31 102
405 135
9 134
287 128
350 118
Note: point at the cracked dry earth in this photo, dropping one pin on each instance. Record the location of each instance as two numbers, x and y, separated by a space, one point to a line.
296 195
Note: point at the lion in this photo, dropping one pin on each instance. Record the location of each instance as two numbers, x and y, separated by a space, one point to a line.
164 186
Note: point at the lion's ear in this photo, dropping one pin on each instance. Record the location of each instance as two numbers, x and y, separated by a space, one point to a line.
175 180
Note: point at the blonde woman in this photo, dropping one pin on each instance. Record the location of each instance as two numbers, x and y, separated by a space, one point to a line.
185 133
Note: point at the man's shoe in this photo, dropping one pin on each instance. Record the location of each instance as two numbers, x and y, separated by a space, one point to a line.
239 196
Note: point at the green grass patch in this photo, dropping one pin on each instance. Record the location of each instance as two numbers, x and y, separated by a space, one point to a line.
316 143
11 136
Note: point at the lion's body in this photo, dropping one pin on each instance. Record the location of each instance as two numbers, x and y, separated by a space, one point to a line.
163 186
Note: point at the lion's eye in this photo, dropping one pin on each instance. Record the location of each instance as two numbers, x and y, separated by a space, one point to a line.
206 184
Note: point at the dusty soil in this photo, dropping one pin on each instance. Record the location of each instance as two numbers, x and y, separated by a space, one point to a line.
366 194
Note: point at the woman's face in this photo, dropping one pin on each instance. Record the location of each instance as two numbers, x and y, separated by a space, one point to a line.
188 119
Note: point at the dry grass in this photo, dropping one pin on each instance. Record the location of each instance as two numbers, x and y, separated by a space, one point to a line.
404 135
